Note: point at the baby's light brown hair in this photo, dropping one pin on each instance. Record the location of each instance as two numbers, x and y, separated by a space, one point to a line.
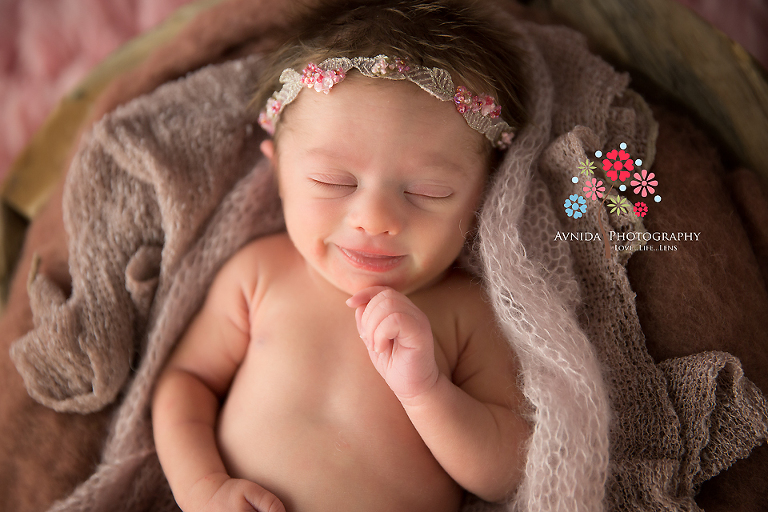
456 35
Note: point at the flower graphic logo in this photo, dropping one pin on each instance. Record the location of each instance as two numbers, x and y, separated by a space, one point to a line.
587 168
617 165
575 206
594 189
644 183
619 204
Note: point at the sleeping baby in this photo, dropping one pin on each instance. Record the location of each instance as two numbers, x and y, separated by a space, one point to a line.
347 364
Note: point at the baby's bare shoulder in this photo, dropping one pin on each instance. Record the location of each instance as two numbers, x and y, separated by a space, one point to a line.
486 366
254 262
261 252
457 302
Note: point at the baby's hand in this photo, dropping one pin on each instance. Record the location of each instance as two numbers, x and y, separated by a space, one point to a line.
235 495
399 340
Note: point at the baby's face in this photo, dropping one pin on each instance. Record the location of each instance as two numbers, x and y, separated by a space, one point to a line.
379 183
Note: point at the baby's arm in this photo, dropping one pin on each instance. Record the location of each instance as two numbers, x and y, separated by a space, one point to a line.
186 398
472 423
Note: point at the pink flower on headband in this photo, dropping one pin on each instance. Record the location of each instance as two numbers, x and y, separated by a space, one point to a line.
269 114
490 108
386 65
462 99
505 140
314 77
274 106
484 104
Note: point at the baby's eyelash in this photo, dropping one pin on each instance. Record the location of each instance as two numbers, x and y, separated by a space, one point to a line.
425 196
332 185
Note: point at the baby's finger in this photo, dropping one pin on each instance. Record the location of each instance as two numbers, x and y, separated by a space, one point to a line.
382 345
388 330
358 320
375 311
406 329
262 500
364 296
386 297
388 318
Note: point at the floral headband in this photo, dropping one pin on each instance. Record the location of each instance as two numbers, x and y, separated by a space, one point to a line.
481 112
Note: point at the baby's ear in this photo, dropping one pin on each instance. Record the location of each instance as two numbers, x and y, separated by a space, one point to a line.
267 147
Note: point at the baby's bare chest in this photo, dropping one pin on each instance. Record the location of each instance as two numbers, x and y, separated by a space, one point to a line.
305 354
308 404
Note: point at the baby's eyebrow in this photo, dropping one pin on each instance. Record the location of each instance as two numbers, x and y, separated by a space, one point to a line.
438 163
333 156
323 152
443 164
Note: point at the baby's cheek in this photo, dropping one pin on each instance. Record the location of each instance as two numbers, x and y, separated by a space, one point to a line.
455 236
312 220
443 245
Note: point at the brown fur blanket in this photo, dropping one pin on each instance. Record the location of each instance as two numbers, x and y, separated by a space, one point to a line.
709 296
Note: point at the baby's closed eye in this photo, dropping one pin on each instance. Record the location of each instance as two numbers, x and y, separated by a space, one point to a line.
331 182
430 191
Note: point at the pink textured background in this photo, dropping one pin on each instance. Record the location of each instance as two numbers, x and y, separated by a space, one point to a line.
47 46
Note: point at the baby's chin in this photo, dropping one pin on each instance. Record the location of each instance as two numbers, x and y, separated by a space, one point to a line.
405 279
406 287
352 289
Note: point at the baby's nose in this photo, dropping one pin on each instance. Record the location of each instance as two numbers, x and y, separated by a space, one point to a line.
375 214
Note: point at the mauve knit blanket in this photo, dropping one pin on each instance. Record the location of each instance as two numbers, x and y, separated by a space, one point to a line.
165 189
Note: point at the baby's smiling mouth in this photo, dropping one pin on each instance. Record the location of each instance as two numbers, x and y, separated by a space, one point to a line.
371 261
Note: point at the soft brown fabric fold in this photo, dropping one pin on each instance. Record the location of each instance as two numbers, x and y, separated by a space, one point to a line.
712 294
38 471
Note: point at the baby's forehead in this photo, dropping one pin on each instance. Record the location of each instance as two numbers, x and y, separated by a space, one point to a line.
418 164
363 110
